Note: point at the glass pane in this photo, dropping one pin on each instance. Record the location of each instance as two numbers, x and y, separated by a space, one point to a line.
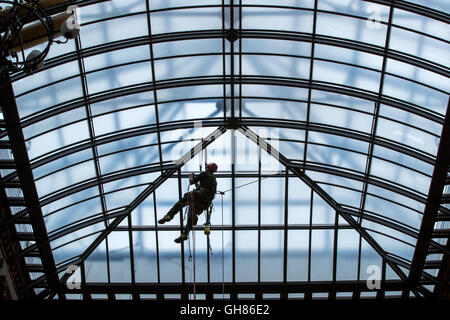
322 255
169 256
299 202
371 263
246 256
65 178
122 198
275 66
73 213
96 266
272 201
350 28
322 212
415 93
145 260
59 138
113 30
254 108
272 249
346 75
347 255
49 96
186 20
297 260
46 77
274 46
393 211
119 256
200 249
246 202
221 260
277 19
330 115
118 77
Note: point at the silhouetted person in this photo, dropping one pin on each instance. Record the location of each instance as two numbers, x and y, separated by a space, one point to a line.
204 193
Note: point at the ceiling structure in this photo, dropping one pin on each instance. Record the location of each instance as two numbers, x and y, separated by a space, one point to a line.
328 120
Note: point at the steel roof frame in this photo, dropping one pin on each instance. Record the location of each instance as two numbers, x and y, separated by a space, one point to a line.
236 122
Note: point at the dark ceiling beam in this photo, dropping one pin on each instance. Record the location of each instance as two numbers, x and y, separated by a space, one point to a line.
437 184
25 174
277 123
237 287
245 34
219 80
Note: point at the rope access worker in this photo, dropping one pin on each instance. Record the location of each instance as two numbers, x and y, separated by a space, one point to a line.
203 195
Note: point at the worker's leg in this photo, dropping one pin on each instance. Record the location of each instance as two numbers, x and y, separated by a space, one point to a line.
175 209
191 221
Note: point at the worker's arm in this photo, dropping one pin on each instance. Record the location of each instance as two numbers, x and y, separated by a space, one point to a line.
193 179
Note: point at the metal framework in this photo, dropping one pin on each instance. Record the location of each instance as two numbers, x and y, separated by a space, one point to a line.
407 276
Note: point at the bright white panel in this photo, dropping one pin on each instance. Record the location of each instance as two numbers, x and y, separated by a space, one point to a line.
272 249
186 20
57 93
346 75
113 30
65 178
277 19
297 259
58 138
187 47
119 256
347 255
275 66
346 119
298 202
246 256
118 77
322 255
258 108
272 201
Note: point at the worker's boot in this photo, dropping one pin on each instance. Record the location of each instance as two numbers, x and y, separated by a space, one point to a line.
181 238
165 219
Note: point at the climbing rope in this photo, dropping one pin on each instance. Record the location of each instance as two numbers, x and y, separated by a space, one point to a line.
193 241
223 265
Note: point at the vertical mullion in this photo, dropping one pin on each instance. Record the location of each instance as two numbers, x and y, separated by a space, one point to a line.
311 70
91 129
335 245
130 239
233 149
259 213
310 233
240 59
232 60
224 60
156 238
359 258
233 207
375 116
155 96
285 244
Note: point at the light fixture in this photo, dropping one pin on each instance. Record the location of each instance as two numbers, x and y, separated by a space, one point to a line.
26 24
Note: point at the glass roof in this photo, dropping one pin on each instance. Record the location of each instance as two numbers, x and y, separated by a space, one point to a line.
351 94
